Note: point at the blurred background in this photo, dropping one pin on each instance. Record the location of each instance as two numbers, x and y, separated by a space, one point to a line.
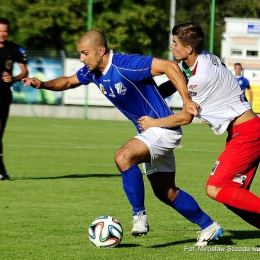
49 30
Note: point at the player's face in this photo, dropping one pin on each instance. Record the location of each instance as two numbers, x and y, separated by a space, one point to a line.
238 69
179 51
90 56
3 32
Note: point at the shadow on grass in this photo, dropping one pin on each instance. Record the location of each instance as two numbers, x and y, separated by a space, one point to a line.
127 245
223 241
71 176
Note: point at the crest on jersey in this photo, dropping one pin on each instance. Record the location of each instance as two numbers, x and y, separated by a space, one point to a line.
9 64
120 88
102 89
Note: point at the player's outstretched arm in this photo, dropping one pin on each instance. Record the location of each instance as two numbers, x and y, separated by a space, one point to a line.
178 119
173 72
58 84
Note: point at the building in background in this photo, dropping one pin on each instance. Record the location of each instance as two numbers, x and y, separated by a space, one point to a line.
241 43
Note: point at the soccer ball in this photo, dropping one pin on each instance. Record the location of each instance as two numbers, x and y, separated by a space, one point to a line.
105 231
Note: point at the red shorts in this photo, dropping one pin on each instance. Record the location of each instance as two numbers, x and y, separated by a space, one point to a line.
238 163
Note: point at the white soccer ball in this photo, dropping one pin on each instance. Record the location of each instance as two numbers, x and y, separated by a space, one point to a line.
105 231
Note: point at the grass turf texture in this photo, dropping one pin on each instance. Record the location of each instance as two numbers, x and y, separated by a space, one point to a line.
63 177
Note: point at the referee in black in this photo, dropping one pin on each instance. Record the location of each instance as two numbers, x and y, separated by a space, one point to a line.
9 53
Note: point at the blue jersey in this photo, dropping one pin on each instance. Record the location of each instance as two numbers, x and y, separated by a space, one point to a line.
243 82
128 83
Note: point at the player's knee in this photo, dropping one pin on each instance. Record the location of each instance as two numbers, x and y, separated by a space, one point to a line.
162 196
212 191
119 158
166 195
122 160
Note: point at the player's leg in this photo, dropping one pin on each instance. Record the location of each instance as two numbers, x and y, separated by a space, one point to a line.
4 111
161 174
163 184
241 201
234 172
251 218
127 158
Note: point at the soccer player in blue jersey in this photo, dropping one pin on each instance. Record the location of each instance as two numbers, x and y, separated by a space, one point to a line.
243 82
127 81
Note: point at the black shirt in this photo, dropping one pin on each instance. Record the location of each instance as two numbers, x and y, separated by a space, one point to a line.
9 54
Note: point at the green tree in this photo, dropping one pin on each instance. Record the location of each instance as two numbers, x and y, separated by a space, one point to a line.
131 26
45 24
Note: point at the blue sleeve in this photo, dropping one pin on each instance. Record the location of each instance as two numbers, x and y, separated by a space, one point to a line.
135 67
247 84
84 76
21 56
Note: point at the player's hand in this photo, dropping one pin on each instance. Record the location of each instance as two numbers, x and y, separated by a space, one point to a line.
145 122
33 82
192 107
7 77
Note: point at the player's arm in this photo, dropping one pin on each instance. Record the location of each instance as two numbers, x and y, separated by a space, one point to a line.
23 74
166 89
173 72
178 119
7 77
57 84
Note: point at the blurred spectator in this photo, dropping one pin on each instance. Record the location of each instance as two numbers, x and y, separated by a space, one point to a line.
243 82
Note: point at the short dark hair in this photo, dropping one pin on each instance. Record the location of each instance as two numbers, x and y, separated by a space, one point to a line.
5 21
190 33
238 64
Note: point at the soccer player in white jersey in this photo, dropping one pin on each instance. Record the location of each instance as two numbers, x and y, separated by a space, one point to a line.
127 81
223 108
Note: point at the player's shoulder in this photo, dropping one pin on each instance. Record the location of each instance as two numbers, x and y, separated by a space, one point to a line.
10 44
207 60
124 60
246 80
14 48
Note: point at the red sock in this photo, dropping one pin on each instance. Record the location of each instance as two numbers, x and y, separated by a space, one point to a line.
239 198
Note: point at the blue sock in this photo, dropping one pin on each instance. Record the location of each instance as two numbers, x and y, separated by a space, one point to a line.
187 206
133 186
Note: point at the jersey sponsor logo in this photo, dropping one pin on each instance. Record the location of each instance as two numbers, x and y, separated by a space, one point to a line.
192 94
121 89
239 178
192 86
215 167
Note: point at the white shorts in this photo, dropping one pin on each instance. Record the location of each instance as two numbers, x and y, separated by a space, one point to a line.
161 142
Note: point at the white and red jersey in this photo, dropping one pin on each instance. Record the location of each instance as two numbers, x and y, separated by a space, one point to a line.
216 90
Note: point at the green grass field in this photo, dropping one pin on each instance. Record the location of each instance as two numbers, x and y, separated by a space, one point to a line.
64 176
